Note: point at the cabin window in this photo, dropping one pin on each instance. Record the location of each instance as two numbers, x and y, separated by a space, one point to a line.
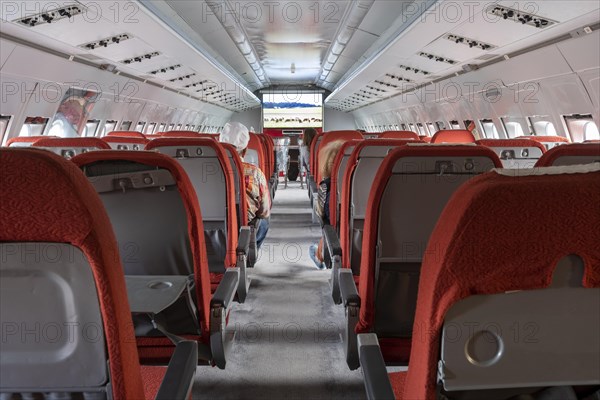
440 125
140 126
454 124
542 126
91 127
421 129
150 128
187 127
125 125
178 127
171 126
431 128
4 122
412 127
109 126
582 127
33 126
489 129
404 127
513 128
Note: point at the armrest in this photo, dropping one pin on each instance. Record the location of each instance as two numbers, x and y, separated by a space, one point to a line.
348 290
181 370
243 246
223 296
351 302
377 381
220 302
332 241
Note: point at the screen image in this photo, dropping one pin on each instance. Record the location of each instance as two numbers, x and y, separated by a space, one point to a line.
299 110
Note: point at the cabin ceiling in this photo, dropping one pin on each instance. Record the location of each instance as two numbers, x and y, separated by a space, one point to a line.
221 51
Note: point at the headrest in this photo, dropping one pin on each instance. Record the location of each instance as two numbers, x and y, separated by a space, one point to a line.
25 139
546 139
45 198
235 133
87 142
569 150
566 169
453 136
182 134
126 134
407 135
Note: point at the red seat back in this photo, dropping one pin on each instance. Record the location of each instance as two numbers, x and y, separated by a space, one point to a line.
406 135
126 134
576 153
453 136
465 257
327 138
57 204
125 142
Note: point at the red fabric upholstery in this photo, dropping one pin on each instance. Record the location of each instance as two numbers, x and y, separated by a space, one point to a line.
329 137
126 134
546 139
257 144
26 139
152 377
334 181
406 135
470 258
46 198
230 149
188 134
369 244
268 147
575 149
453 136
313 153
397 379
511 143
125 140
194 217
425 138
232 225
72 142
346 191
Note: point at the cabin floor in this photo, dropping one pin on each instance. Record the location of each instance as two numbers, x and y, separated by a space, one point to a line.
288 332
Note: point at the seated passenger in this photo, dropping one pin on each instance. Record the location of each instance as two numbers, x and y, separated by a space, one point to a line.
257 190
307 138
326 158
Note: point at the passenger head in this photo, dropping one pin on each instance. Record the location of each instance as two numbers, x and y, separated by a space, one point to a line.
308 136
237 135
326 157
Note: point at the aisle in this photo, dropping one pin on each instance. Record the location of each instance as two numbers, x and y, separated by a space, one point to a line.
288 343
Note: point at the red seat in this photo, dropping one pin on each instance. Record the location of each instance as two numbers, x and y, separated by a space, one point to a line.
337 174
548 141
215 189
453 136
406 135
126 134
466 258
152 203
70 147
576 153
425 138
188 134
25 141
57 205
395 233
256 153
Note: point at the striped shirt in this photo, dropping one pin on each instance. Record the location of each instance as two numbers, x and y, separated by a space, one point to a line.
257 193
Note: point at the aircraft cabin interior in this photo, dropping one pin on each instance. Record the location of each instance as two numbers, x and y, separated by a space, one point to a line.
310 199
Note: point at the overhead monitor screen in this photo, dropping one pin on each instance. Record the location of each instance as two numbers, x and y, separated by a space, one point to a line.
292 110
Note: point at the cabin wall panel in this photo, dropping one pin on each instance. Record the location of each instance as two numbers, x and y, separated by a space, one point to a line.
582 54
591 82
335 120
6 49
250 118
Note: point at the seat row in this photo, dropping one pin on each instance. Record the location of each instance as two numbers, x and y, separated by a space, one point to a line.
388 202
172 221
